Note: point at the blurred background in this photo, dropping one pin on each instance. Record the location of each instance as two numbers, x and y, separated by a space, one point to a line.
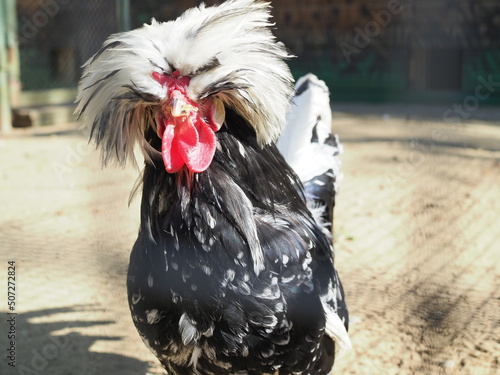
404 51
415 89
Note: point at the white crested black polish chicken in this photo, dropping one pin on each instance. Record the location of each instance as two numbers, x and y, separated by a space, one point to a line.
233 269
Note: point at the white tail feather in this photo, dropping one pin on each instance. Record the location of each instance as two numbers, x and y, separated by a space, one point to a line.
336 330
310 114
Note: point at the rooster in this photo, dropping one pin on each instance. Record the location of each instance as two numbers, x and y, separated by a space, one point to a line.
233 269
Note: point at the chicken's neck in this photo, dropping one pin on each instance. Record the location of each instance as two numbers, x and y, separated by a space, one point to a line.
242 178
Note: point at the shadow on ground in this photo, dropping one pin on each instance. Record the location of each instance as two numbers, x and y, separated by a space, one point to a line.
47 343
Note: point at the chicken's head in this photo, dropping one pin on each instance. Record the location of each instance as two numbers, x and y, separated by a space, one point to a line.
187 128
180 77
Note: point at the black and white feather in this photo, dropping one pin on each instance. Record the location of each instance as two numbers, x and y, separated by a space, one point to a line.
231 273
311 149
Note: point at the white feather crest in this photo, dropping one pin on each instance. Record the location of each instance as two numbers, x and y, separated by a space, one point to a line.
227 50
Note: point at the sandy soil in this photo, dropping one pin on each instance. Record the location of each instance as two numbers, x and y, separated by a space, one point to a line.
417 241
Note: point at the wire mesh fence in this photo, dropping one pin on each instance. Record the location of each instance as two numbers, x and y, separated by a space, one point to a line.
366 49
57 36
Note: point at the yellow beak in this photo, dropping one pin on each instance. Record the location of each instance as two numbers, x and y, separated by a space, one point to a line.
180 107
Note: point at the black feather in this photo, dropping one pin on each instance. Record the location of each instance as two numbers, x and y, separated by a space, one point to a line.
212 64
320 188
225 83
104 48
102 79
137 94
101 86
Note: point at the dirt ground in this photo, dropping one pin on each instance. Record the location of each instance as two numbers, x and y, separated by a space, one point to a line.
417 240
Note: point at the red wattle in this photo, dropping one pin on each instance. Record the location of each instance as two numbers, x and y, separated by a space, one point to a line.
198 151
185 143
170 150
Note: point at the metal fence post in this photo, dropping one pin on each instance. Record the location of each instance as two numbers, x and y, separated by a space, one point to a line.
123 14
9 63
5 109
